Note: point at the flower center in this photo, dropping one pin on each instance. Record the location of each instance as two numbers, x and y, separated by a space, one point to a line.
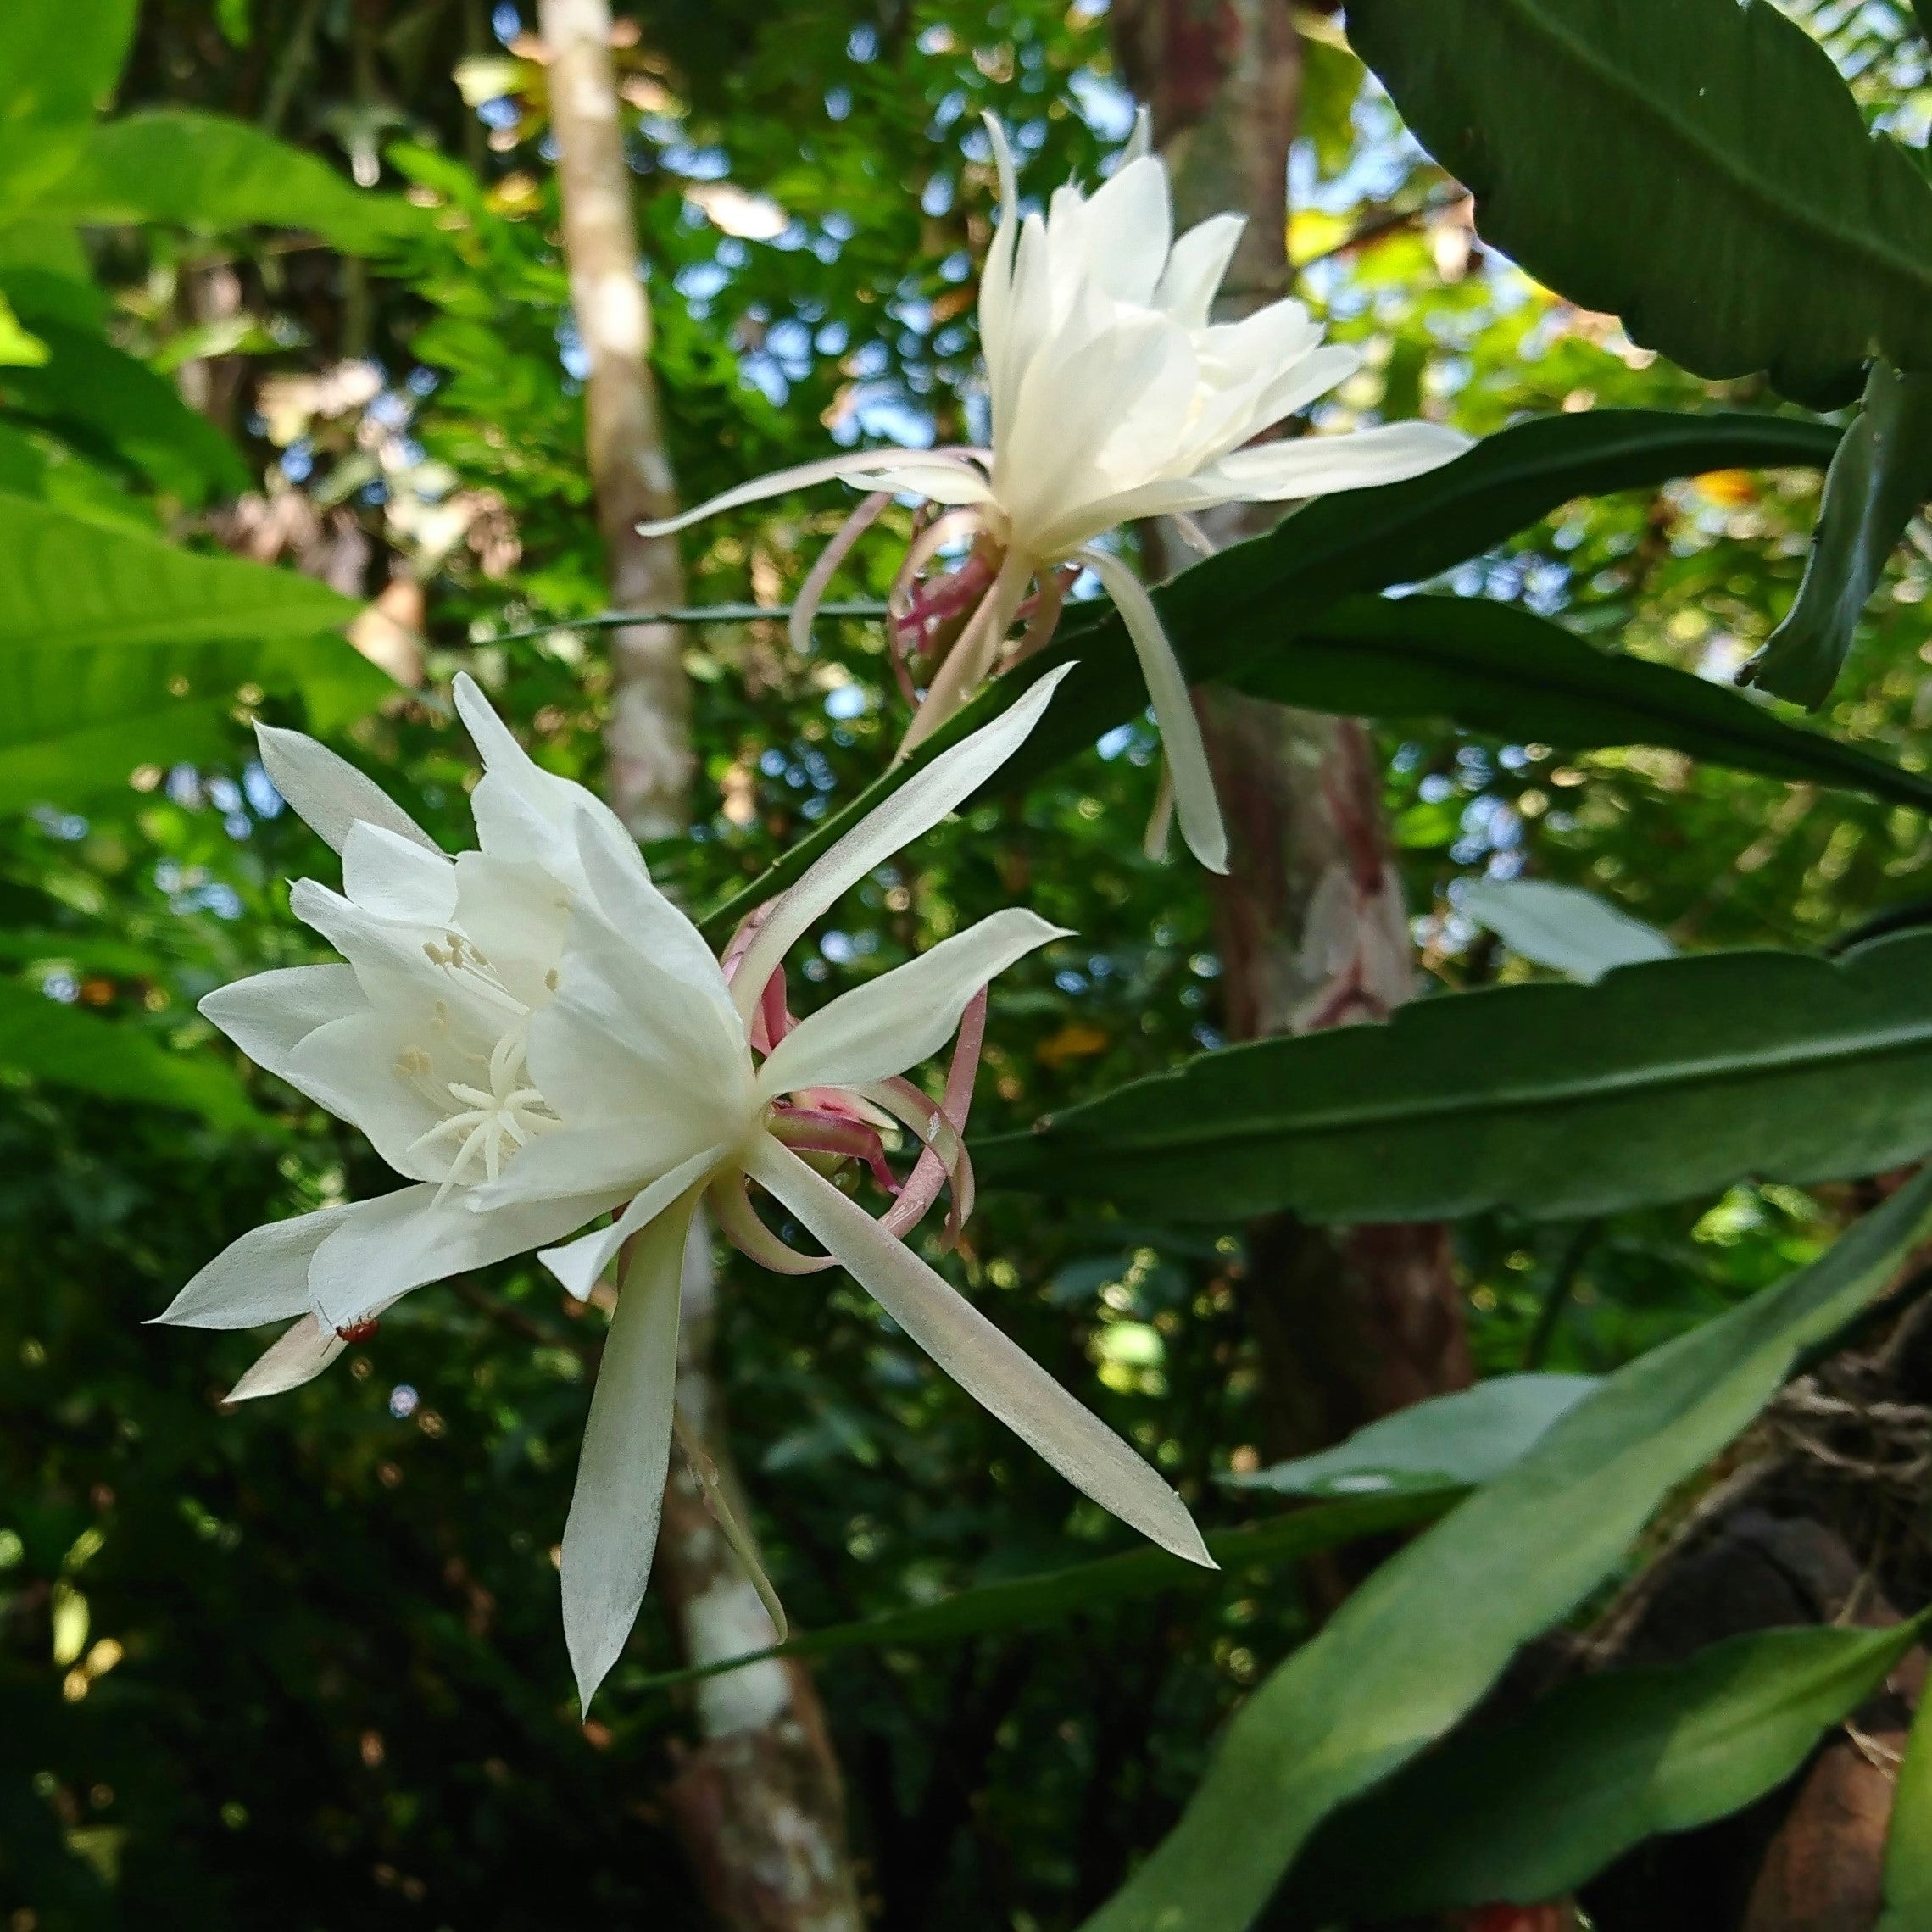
488 1124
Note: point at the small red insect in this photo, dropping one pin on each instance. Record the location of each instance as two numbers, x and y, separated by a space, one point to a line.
358 1331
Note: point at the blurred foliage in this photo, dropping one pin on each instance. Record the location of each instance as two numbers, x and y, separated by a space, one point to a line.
297 1664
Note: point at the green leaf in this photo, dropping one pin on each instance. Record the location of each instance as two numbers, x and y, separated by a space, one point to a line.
207 172
1419 1643
1881 474
1564 928
1634 1753
109 406
1227 614
1697 167
1908 1844
1498 667
19 347
1660 1081
1459 1439
57 70
1055 1596
41 1039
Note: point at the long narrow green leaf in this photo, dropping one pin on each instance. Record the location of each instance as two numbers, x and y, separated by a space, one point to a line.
1057 1594
1757 224
1412 1650
1662 1081
1229 615
1909 1844
1881 474
64 1047
1500 668
1631 1752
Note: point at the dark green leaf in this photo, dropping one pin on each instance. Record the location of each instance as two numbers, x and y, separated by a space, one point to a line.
1415 1647
1634 1753
1881 474
1660 1081
208 172
1230 613
44 1041
1058 1594
1908 1845
1500 668
1727 202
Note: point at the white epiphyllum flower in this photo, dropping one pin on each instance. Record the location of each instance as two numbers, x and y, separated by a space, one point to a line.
1114 398
533 1036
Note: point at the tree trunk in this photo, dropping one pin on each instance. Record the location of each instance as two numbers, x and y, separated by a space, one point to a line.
1350 1322
757 1799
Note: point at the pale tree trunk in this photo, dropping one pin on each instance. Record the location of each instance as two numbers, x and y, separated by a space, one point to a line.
1350 1322
758 1798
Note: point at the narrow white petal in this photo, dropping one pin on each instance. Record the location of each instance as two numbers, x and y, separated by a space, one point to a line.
1129 228
635 909
394 877
299 1354
993 1369
270 1015
1140 142
871 469
1316 465
383 1247
915 808
614 1510
905 1015
327 792
616 1157
1196 265
1181 740
578 1265
263 1277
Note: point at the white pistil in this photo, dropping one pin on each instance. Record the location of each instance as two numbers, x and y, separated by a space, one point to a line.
493 1122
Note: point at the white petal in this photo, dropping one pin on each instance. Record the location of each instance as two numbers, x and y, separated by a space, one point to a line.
1173 710
905 1015
578 1265
394 877
350 1067
263 1277
1316 465
993 1369
328 792
1140 142
517 914
637 911
299 1354
619 1499
915 808
1199 259
870 469
1129 228
384 1248
616 1157
268 1016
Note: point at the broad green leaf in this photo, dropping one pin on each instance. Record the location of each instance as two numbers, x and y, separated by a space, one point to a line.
208 172
1908 1844
1463 1439
111 407
57 70
37 465
1881 474
1027 1602
1564 928
1229 614
1632 1753
1415 1647
1697 167
1498 667
43 1040
1660 1081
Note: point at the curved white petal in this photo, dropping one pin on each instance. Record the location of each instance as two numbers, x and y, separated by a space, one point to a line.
904 1016
383 1247
915 807
636 910
1128 226
263 1277
268 1016
1181 740
1196 265
1140 141
613 1157
299 1354
612 1530
578 1265
394 877
1318 465
328 792
993 1369
871 469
